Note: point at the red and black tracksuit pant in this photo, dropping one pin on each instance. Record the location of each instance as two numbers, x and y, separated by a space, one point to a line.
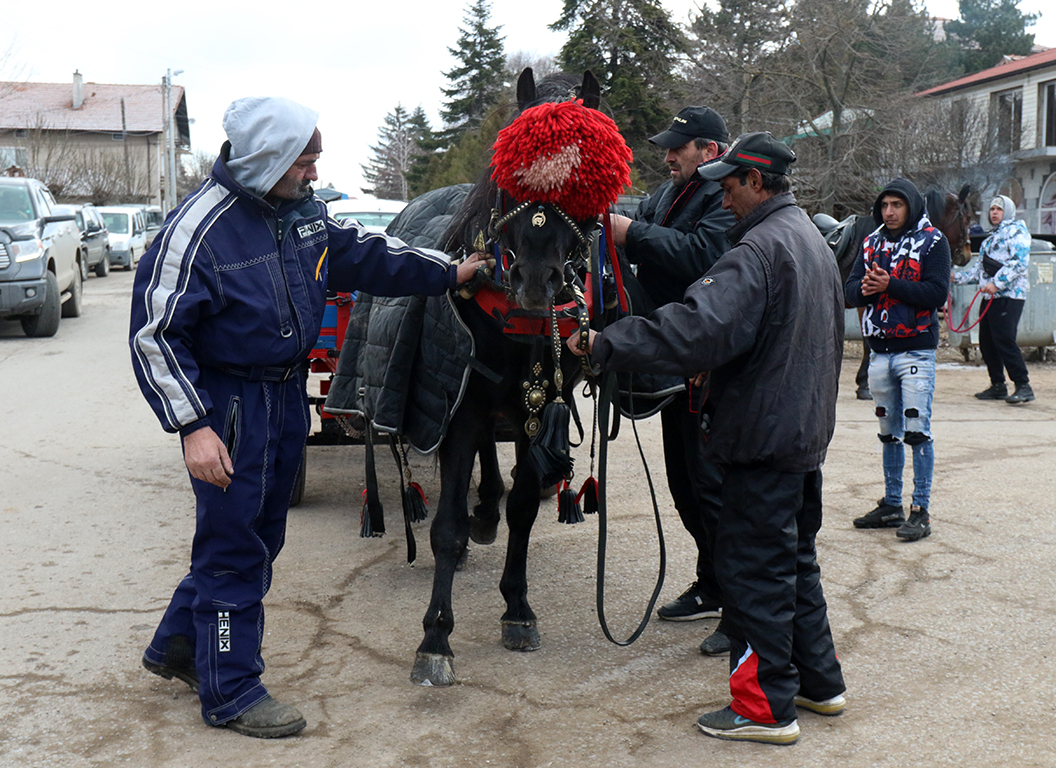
774 610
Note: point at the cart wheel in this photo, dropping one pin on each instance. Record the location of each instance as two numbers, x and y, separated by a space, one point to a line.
298 485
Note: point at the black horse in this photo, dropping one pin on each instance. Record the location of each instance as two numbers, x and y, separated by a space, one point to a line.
555 168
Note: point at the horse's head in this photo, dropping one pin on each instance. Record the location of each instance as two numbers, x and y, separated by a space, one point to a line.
538 240
555 168
952 214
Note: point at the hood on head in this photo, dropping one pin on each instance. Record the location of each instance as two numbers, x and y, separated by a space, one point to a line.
1006 205
267 135
908 191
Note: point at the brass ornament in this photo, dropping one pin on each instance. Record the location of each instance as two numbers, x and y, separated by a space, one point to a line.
531 427
538 219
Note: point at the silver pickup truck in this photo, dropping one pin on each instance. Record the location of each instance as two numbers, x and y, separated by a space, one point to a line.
40 274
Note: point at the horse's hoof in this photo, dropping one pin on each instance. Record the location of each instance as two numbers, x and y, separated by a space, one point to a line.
520 636
433 669
482 531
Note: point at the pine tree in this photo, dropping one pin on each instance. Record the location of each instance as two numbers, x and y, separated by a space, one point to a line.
990 29
477 81
630 46
386 173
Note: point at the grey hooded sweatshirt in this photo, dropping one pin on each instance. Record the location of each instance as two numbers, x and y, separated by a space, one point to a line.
267 135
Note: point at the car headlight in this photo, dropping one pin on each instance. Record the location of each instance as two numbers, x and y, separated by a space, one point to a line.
26 250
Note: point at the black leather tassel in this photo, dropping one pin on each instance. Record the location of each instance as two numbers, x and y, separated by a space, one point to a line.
588 497
567 507
549 453
368 529
415 505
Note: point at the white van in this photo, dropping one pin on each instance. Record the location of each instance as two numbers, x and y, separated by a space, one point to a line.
372 214
128 234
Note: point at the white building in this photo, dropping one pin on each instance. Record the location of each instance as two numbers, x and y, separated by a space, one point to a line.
1017 100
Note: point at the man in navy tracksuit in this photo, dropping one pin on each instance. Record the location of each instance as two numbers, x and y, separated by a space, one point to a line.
226 306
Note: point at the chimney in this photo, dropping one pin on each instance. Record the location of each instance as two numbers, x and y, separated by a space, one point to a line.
78 90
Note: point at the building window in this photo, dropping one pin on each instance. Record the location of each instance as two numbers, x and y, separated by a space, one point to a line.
1006 121
117 136
1047 209
1048 114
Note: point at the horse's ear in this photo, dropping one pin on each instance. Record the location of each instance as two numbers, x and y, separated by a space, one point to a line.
963 194
525 89
590 91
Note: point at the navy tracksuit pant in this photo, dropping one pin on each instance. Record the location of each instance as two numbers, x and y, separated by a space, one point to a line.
997 340
774 610
218 607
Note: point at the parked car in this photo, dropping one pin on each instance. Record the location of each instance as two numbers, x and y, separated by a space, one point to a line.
41 279
373 215
95 240
128 234
153 218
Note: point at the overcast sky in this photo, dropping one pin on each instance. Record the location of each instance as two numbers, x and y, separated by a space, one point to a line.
352 62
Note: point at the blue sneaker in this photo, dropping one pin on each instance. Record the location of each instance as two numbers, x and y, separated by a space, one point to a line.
727 724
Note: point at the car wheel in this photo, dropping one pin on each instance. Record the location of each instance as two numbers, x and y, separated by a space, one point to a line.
102 269
75 303
83 261
131 261
47 322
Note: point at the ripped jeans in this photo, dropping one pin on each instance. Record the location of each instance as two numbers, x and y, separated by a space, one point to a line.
903 384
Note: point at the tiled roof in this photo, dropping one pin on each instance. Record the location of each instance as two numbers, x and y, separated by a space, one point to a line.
1006 69
24 105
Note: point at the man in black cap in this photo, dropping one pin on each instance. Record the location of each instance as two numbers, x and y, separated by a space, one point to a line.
676 236
767 322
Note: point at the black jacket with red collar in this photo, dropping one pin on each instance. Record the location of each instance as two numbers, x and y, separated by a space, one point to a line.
677 235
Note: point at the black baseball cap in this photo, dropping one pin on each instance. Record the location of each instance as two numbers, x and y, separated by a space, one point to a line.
751 150
693 123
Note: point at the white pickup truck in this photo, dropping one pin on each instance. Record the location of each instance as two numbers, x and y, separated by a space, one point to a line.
41 278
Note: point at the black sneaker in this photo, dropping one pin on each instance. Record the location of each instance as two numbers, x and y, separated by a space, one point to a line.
994 392
884 516
1023 394
917 527
716 644
690 605
727 724
827 707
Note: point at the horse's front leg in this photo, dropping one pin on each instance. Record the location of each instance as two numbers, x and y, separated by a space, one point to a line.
449 535
519 631
484 522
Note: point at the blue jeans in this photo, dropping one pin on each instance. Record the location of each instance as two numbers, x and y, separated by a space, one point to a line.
903 384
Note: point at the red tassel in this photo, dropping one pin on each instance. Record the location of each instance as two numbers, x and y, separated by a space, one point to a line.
588 496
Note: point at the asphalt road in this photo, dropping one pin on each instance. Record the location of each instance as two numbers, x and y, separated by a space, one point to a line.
947 644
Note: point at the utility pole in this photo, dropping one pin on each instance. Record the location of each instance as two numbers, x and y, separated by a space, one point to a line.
170 139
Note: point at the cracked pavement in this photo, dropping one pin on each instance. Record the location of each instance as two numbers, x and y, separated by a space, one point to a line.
947 643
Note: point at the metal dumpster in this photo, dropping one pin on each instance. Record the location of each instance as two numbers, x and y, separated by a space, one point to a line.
1037 326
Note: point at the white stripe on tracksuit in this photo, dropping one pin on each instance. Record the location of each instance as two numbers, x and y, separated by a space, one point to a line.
168 282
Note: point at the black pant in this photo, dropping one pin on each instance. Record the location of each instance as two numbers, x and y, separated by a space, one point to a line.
695 485
997 340
774 609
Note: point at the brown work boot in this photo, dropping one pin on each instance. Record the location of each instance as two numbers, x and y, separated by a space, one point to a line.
268 719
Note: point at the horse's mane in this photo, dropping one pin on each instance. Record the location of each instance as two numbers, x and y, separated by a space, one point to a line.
472 217
935 204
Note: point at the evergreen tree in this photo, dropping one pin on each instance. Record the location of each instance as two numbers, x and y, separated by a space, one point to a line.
477 81
990 29
630 47
397 147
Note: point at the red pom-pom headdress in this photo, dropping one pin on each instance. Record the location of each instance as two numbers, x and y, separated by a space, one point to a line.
564 154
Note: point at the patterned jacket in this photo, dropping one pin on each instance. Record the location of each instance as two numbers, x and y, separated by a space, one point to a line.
1009 244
